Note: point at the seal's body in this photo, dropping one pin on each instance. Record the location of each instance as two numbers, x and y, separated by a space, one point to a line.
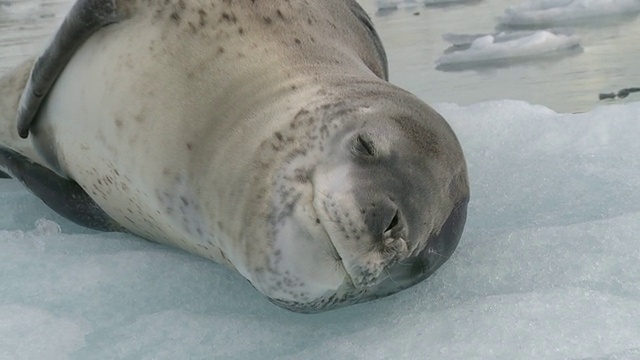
259 134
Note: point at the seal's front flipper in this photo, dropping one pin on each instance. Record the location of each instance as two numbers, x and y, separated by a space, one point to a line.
4 176
64 196
85 18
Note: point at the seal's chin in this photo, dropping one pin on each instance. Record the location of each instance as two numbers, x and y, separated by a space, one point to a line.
402 275
330 237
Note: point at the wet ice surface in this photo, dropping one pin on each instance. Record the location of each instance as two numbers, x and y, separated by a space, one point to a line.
548 266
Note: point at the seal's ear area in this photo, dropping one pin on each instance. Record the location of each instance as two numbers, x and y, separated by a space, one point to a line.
363 146
63 196
83 20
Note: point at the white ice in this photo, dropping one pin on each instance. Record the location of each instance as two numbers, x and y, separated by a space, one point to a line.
554 12
548 267
506 45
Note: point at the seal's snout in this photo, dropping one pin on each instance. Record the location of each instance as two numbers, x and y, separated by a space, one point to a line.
384 221
440 246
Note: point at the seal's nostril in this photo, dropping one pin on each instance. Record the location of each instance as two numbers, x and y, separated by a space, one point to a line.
383 220
365 145
394 222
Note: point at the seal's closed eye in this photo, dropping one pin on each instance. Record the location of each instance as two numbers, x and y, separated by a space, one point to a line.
364 146
394 222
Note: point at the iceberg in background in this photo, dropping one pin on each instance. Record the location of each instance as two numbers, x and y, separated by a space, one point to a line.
448 2
548 267
491 49
386 7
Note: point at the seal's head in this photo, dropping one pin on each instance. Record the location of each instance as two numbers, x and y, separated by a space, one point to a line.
375 204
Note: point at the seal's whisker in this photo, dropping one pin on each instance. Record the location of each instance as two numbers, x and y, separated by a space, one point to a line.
432 251
389 276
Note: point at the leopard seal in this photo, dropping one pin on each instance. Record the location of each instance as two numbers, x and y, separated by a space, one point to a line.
263 135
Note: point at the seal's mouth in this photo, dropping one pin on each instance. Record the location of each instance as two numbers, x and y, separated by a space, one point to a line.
366 239
322 216
416 268
400 276
323 219
419 265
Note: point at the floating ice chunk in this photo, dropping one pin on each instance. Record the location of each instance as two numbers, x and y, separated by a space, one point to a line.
387 5
556 12
462 40
46 227
446 2
483 49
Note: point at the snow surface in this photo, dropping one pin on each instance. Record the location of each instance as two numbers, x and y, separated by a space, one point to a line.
553 12
548 267
523 45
